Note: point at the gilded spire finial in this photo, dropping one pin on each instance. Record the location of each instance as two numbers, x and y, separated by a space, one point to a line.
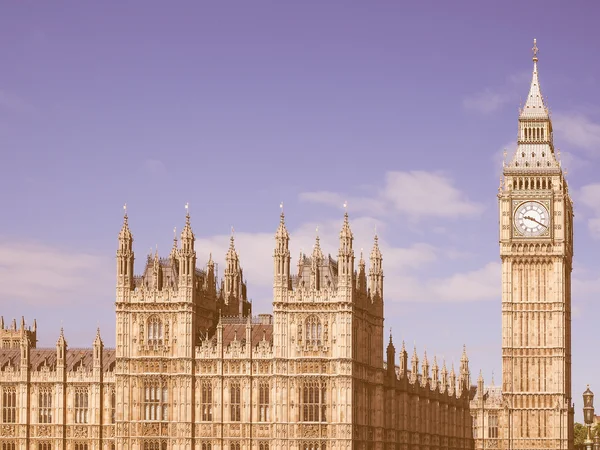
125 210
187 212
535 50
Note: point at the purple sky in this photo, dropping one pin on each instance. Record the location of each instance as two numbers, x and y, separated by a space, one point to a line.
402 109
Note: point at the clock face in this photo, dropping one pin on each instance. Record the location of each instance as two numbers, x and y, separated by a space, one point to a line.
532 219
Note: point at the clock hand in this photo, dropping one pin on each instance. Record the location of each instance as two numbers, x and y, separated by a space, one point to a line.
533 220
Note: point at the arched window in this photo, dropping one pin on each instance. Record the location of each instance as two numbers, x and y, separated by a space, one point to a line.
81 404
156 400
313 401
155 331
235 398
263 446
207 401
263 402
113 405
313 331
206 446
45 405
9 404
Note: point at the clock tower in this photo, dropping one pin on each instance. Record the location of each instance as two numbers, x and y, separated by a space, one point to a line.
536 248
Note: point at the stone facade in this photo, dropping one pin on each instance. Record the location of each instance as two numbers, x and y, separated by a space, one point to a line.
192 368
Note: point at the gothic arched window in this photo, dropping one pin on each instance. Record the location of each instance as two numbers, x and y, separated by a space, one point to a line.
207 401
263 402
45 405
235 398
312 400
155 331
313 330
81 404
9 404
156 400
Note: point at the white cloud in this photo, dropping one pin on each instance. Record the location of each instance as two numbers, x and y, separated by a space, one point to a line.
486 101
589 197
42 275
416 194
578 130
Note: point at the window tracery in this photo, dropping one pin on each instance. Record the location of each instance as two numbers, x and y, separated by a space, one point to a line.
313 401
235 402
313 331
81 404
9 404
155 331
155 444
207 401
263 402
45 405
156 398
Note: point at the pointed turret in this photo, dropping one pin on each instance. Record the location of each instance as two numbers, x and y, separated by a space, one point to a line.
211 276
452 384
444 380
61 348
376 270
98 349
1 322
34 326
361 279
281 259
403 361
435 374
480 385
316 260
187 258
346 255
414 374
232 271
425 369
391 358
157 272
173 254
535 150
125 259
465 374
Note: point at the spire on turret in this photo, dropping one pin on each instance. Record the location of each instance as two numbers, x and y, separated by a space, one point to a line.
187 256
282 257
125 259
452 386
187 235
376 270
173 254
125 233
435 372
415 366
425 368
317 258
391 357
403 360
232 270
346 254
444 380
465 373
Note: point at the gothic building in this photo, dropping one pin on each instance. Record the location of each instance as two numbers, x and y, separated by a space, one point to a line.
536 248
193 369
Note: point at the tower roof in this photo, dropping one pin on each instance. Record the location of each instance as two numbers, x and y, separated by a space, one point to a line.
282 232
125 233
535 106
535 149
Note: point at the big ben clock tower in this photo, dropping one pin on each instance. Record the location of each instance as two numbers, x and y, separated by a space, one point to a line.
536 248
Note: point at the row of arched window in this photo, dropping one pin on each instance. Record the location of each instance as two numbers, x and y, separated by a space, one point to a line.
532 183
313 401
156 400
155 445
534 133
9 404
81 404
206 401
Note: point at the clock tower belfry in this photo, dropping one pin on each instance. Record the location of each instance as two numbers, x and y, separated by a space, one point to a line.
536 248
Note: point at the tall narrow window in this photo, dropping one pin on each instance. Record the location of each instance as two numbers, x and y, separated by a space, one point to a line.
9 404
234 446
263 446
492 425
313 330
81 404
206 446
44 446
155 445
155 331
45 405
156 400
113 406
263 401
9 446
81 446
235 402
207 401
314 407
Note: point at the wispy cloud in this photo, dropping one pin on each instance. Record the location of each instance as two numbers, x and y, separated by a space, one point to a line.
578 130
417 194
154 167
42 275
589 197
486 101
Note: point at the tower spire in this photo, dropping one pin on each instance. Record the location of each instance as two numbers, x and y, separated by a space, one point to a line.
281 257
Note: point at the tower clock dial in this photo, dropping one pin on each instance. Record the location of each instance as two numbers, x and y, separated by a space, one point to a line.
532 219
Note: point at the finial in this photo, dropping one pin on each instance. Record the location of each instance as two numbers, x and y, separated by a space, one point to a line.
187 210
125 210
317 230
535 50
175 233
232 231
346 207
281 216
281 207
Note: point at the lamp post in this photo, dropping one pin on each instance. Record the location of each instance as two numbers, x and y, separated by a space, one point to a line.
588 415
